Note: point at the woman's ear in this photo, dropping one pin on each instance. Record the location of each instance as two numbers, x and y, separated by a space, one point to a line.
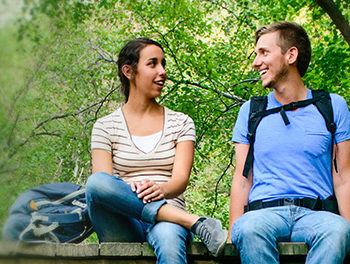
127 71
292 55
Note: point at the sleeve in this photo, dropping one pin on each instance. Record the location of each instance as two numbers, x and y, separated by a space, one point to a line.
188 131
100 137
240 129
341 118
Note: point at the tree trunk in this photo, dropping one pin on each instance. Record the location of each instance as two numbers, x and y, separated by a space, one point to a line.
337 17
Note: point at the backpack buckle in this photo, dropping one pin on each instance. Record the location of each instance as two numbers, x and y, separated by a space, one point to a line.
293 105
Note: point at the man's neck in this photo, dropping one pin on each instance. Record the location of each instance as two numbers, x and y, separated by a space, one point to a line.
292 90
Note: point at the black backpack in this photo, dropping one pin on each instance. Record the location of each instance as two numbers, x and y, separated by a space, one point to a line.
54 212
321 99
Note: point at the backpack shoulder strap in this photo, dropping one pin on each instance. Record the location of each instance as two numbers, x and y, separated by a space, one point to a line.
257 105
324 105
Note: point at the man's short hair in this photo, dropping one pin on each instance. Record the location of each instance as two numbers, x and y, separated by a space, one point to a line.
291 34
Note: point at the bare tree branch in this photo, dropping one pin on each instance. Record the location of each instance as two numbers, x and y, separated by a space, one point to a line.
217 183
227 95
166 41
59 116
21 93
103 54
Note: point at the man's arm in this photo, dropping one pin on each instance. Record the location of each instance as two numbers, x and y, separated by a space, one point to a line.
342 178
240 185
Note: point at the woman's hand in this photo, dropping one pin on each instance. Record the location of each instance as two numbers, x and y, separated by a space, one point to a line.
147 190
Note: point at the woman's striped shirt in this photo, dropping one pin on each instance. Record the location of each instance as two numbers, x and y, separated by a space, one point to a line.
111 133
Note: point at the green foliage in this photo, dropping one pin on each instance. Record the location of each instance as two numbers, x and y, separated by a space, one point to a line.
61 76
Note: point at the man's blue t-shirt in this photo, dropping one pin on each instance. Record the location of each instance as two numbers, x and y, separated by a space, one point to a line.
293 161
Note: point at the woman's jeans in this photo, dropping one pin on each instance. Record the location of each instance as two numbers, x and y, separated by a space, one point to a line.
256 234
117 214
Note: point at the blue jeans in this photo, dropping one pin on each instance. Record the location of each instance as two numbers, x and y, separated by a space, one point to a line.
117 214
256 234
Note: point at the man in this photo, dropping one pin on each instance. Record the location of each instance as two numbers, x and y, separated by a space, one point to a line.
292 165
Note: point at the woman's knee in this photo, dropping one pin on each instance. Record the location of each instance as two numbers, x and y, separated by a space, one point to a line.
102 182
96 181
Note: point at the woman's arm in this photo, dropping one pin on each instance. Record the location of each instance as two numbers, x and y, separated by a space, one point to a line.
101 161
151 191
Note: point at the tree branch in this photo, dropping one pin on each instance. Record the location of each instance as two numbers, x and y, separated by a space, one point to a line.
337 17
217 183
227 95
103 54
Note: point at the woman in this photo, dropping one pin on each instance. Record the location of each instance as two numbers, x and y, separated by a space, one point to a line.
142 154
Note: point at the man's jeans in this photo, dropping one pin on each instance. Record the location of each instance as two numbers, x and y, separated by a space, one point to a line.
256 234
117 214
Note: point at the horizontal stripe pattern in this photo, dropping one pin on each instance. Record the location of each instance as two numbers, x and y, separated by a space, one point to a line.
111 133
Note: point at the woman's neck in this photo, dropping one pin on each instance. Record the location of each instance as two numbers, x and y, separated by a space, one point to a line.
141 107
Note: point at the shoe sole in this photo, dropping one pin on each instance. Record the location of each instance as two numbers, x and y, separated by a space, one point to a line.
222 246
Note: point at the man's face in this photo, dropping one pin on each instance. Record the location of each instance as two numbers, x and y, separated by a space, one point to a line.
269 60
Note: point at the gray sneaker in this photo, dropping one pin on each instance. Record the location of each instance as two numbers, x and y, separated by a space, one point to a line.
210 232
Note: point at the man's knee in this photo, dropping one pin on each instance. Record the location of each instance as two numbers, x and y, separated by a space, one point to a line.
339 231
247 227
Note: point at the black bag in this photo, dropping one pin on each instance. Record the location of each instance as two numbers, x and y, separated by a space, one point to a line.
54 212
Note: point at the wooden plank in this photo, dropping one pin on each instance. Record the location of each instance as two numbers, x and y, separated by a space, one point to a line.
128 253
289 248
33 249
197 249
121 249
77 250
7 248
230 251
147 250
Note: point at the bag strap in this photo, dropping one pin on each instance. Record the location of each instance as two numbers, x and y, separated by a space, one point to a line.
257 106
63 218
324 105
39 230
61 200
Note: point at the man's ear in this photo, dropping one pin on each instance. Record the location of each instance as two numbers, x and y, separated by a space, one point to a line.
292 55
127 71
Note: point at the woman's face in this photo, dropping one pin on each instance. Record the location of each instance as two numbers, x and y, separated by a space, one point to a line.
151 75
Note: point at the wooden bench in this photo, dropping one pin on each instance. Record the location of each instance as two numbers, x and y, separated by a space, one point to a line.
128 253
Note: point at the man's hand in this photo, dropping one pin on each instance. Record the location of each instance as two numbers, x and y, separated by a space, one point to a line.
147 190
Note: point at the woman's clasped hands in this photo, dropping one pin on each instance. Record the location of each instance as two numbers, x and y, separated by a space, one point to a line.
147 190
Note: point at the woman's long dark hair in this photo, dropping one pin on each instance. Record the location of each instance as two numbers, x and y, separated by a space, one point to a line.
130 55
